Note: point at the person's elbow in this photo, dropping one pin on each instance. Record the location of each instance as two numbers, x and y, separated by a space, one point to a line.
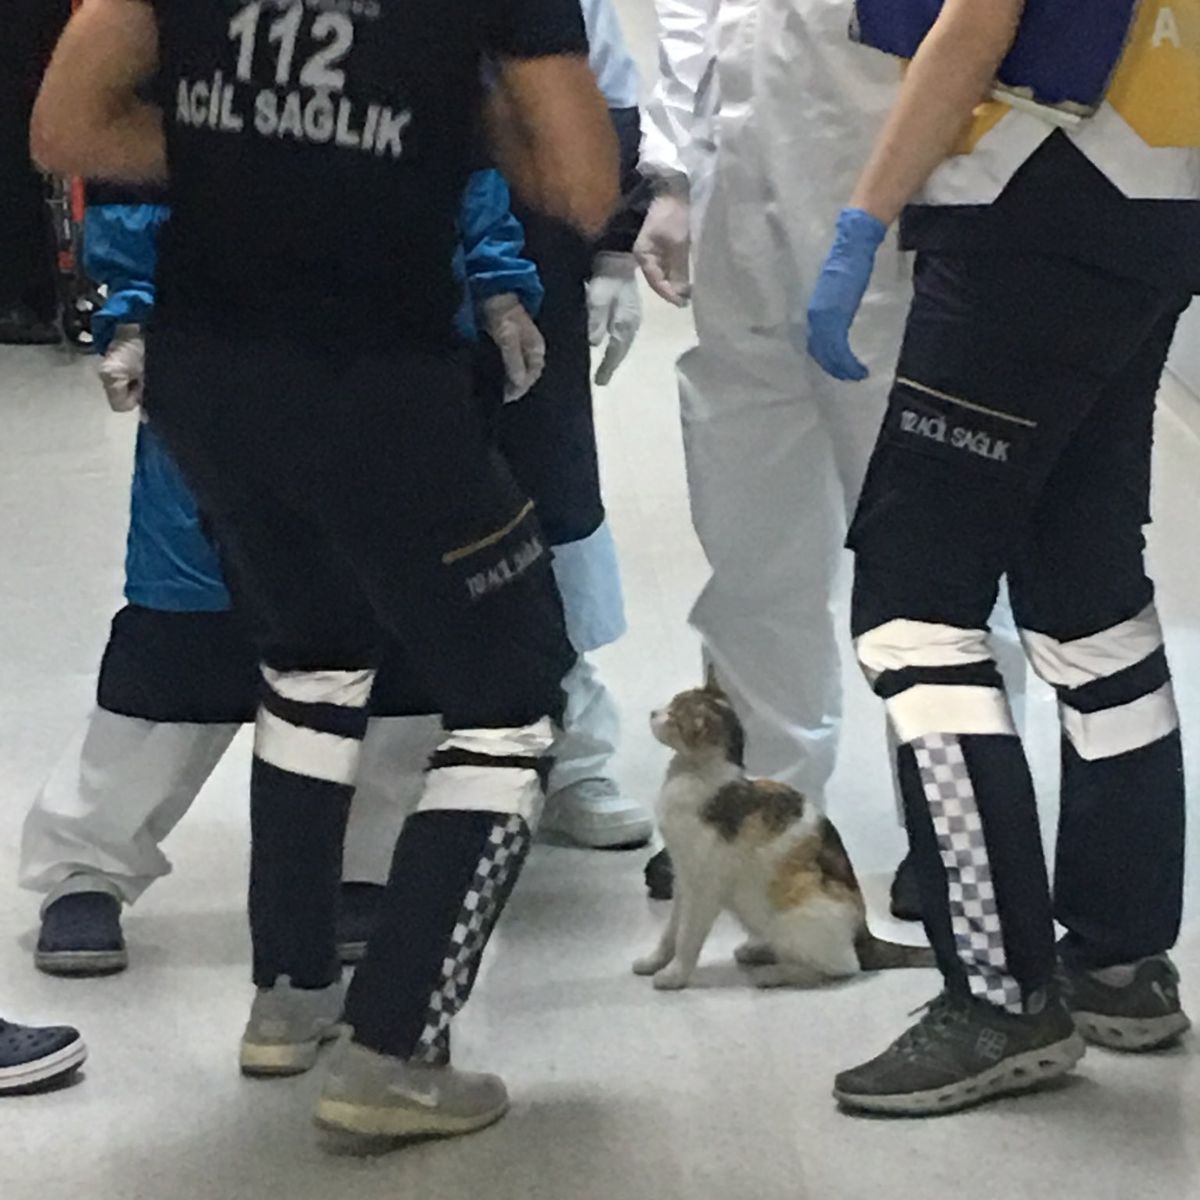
592 190
45 148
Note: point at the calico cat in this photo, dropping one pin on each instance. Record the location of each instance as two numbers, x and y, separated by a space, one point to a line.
760 850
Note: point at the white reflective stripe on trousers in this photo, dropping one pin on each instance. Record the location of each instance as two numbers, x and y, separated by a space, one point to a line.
902 643
308 752
1116 731
484 789
1101 655
347 689
933 708
527 741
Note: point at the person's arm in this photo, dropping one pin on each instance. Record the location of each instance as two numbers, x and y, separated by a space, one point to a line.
121 251
553 140
952 73
494 245
89 119
677 122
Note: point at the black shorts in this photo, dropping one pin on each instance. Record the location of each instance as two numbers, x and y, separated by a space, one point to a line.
202 668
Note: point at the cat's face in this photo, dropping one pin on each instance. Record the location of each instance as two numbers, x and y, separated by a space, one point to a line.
699 722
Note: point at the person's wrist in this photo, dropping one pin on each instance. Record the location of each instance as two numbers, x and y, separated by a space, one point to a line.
673 184
615 264
862 226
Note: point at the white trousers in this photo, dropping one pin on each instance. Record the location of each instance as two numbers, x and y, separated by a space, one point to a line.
124 784
591 728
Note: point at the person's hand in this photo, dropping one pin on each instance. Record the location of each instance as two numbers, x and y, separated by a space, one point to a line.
123 369
839 293
614 310
664 247
522 346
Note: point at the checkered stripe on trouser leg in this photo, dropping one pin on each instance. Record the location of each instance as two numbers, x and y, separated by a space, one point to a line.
974 915
506 848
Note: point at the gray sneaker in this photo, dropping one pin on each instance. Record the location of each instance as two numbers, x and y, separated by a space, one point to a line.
287 1026
1135 1007
962 1052
371 1101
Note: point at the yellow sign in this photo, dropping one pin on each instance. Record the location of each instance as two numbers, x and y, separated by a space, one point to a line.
1157 85
987 117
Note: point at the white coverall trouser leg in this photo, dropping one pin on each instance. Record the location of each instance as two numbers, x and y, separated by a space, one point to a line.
123 785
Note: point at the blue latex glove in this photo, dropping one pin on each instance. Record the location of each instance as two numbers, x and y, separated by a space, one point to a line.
839 293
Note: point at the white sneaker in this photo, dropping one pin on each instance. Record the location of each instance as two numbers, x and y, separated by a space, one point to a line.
594 814
288 1025
371 1098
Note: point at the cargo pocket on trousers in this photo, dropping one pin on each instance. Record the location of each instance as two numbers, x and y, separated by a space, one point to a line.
497 560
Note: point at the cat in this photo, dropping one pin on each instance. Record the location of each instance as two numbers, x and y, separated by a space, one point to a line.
761 851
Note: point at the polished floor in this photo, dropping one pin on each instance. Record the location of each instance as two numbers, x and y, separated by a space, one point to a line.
620 1093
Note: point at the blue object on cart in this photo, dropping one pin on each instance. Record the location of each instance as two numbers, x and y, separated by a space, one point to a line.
1065 54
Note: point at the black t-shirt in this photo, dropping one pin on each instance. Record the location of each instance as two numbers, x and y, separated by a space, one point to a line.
318 151
1061 203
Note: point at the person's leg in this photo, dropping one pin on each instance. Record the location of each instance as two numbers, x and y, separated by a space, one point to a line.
1005 642
391 777
1003 364
479 616
392 495
1092 632
585 805
591 726
173 688
387 789
316 639
549 441
765 508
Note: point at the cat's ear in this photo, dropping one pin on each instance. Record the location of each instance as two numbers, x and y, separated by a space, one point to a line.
711 683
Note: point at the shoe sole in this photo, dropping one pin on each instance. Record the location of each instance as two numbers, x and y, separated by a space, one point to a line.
628 837
905 914
1020 1073
45 1071
276 1060
81 962
1134 1035
360 1129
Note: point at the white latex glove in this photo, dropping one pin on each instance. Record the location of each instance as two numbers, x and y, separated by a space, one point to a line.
664 247
123 369
522 346
614 309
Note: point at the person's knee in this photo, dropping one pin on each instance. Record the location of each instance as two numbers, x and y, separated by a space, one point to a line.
934 677
312 722
1113 685
491 770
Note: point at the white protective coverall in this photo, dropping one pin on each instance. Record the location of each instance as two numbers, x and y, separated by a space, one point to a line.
769 111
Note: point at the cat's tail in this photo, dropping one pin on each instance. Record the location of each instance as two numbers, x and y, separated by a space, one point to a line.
876 954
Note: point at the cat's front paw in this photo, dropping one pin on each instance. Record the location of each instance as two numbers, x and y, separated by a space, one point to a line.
650 965
671 979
